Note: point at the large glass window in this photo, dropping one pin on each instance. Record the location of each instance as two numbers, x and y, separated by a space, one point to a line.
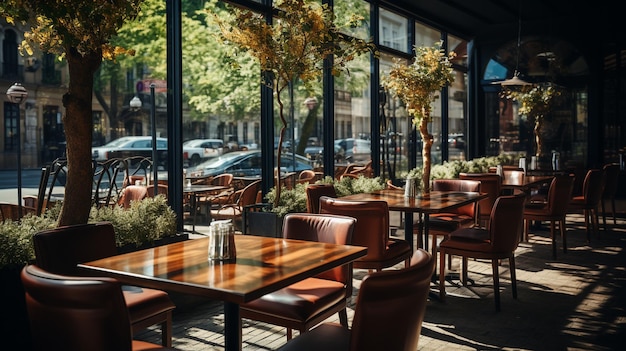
457 101
393 30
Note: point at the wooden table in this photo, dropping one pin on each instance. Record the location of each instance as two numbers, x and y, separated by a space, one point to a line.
426 204
525 182
263 265
193 191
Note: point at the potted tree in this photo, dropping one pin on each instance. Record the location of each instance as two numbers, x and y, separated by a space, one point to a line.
534 102
292 49
417 86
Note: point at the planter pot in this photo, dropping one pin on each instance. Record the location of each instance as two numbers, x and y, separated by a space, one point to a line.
15 328
267 224
164 241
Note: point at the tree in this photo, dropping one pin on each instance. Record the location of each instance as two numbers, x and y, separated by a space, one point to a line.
292 49
535 102
80 31
417 85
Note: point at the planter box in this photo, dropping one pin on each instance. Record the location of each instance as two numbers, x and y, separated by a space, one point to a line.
267 224
167 240
14 328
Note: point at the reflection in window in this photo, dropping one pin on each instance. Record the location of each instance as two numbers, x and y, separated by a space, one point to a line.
393 30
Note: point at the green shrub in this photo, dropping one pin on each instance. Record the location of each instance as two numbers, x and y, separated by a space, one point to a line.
16 238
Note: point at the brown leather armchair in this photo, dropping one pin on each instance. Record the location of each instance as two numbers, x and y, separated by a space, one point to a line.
491 184
78 313
132 193
498 242
590 200
313 194
371 231
611 180
554 210
307 303
61 249
396 326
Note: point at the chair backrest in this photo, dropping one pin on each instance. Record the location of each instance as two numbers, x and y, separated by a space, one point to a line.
249 194
75 313
491 184
59 250
459 185
592 187
560 193
132 193
9 212
611 180
506 223
313 194
224 179
306 176
372 222
330 229
161 190
390 306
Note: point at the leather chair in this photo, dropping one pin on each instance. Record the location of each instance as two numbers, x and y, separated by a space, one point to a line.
161 190
78 313
498 242
307 303
389 312
442 224
611 180
554 210
59 250
589 201
313 194
306 176
132 193
491 184
239 200
371 231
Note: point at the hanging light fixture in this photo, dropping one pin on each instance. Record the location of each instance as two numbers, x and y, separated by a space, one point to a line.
516 80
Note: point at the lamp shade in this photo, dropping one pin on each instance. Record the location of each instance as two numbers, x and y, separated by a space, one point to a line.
17 93
135 102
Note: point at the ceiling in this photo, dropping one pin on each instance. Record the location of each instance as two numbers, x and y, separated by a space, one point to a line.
480 17
569 29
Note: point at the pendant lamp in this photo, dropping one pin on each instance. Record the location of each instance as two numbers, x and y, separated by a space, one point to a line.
516 80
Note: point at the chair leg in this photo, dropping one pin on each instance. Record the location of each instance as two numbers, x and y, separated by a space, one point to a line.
496 283
343 318
587 214
553 237
563 234
166 331
289 333
603 214
595 222
464 271
442 275
613 211
513 276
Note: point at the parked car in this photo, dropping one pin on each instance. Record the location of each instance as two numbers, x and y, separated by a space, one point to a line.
456 141
129 146
246 164
196 150
355 149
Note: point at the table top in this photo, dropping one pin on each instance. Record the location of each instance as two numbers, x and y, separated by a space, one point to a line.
434 202
202 188
263 265
524 182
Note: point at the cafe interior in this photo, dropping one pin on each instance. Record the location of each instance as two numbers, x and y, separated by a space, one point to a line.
357 272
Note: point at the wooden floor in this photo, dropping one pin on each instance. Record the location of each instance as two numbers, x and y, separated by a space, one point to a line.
576 302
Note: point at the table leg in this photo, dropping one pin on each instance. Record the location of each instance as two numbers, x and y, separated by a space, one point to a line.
232 326
408 228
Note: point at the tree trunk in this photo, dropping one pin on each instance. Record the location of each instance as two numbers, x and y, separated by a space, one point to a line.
427 142
307 129
78 124
537 132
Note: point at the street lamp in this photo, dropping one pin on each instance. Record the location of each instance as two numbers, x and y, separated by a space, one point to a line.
18 94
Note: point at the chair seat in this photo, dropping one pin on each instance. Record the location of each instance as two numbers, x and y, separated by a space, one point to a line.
474 234
475 240
448 222
299 301
579 202
397 251
326 337
144 303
